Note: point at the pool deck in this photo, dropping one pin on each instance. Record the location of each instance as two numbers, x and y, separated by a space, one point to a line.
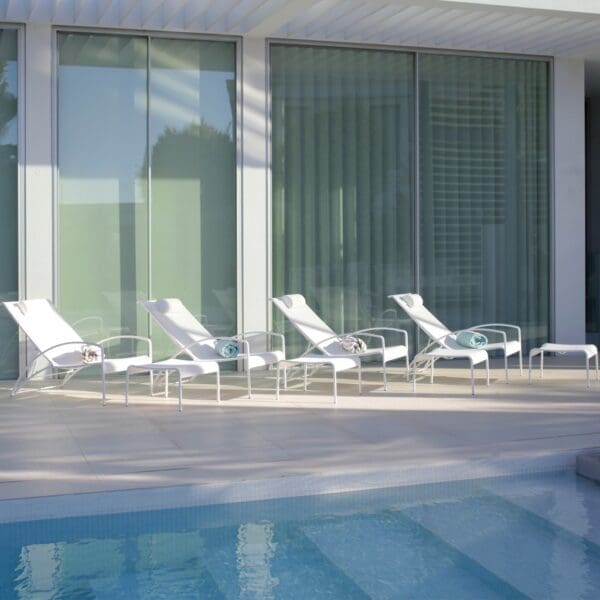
64 442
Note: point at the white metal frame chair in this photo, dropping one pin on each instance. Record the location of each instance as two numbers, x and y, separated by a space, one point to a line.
324 341
439 334
195 341
62 347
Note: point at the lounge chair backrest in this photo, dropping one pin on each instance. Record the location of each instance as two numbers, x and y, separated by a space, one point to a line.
182 327
43 326
425 320
308 323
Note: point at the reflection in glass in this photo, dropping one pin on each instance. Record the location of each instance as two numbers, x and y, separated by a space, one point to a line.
120 239
9 348
192 138
102 206
342 181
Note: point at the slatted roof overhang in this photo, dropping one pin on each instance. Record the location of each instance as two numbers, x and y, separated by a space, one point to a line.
542 27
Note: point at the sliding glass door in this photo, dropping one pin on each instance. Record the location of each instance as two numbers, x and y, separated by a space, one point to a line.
342 180
147 196
344 199
484 201
103 184
9 198
192 142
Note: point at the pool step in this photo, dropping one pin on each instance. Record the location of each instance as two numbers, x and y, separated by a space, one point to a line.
564 499
532 554
262 560
391 557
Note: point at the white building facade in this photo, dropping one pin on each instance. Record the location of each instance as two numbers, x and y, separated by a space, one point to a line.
225 152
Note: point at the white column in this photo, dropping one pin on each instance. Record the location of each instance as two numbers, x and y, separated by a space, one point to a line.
569 203
255 181
39 229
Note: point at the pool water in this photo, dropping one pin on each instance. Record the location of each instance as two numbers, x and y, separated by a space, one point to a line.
534 536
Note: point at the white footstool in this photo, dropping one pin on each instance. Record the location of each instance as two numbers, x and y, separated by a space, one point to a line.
184 369
588 350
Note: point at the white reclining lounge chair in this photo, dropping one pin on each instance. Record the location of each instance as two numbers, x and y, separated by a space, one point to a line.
445 339
324 341
197 343
62 347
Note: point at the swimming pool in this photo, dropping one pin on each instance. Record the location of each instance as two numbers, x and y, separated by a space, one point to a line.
532 536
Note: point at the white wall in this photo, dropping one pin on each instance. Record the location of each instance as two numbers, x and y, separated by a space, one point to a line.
255 173
38 162
569 206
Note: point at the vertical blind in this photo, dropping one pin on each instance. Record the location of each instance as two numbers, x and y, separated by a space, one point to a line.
342 180
146 156
343 193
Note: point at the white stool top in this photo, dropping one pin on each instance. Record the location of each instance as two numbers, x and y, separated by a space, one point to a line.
589 349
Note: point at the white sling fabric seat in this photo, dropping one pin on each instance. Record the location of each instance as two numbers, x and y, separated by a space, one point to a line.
62 347
322 338
194 340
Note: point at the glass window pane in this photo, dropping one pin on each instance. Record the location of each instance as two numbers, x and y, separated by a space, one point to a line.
102 161
342 181
193 180
484 204
9 279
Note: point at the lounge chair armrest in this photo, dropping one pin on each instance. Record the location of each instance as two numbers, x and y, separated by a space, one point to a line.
402 332
365 333
504 325
139 338
501 333
270 334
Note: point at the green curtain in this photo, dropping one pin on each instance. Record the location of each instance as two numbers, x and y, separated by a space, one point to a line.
484 191
9 197
343 194
342 159
147 197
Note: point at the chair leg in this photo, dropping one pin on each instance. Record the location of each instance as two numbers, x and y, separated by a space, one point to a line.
432 369
180 391
305 376
166 384
505 368
521 361
360 378
472 381
285 378
249 381
151 383
414 377
103 386
127 387
334 386
587 372
385 386
18 383
530 357
542 364
487 370
277 384
407 368
218 386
